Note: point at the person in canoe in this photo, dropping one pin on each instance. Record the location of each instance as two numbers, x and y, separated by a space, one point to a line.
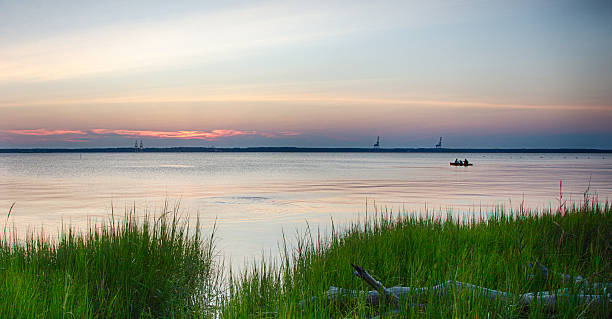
456 161
465 162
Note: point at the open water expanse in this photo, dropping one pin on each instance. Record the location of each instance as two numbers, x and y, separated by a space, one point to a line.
255 197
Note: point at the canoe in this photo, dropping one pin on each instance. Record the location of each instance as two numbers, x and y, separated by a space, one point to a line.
457 164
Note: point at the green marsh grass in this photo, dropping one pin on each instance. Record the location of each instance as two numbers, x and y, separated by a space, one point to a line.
421 251
153 267
133 267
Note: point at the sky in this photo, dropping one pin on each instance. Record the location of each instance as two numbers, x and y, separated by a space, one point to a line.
490 74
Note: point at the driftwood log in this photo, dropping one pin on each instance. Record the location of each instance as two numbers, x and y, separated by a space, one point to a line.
588 292
578 280
387 294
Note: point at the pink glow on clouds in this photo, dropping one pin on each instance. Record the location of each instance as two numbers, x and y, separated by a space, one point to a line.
45 132
279 134
69 135
289 133
197 135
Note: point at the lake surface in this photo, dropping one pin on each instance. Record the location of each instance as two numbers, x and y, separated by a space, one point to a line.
254 197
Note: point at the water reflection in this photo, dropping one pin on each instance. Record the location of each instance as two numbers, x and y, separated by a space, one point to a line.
254 196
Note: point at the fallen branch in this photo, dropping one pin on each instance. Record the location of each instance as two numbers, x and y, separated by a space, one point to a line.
578 280
377 285
395 294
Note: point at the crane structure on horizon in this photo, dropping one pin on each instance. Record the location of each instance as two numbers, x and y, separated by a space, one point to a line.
377 144
138 148
439 145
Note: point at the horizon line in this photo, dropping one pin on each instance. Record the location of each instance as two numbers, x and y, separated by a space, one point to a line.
299 149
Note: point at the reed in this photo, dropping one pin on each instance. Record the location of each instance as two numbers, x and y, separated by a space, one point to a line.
131 267
155 267
417 250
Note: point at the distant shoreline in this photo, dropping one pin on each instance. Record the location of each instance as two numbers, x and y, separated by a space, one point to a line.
303 150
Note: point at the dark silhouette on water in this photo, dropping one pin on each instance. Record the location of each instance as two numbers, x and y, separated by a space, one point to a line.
439 145
138 148
465 162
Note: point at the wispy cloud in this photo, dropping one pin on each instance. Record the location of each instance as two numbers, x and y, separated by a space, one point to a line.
198 39
45 132
42 134
349 100
195 135
280 134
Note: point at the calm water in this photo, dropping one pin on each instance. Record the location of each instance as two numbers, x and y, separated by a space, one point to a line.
254 197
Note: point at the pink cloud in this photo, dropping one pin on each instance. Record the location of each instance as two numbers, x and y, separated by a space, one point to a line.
279 134
45 135
199 135
289 133
45 132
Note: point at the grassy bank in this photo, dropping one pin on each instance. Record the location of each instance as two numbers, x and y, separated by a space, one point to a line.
498 253
133 268
154 268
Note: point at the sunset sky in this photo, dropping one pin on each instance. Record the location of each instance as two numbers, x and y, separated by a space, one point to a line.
330 73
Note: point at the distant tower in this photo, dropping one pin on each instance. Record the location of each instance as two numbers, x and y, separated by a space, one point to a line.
136 146
141 147
439 145
377 144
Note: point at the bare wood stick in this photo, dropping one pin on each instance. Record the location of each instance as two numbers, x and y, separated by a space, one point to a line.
578 280
394 294
374 297
549 298
377 285
344 295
